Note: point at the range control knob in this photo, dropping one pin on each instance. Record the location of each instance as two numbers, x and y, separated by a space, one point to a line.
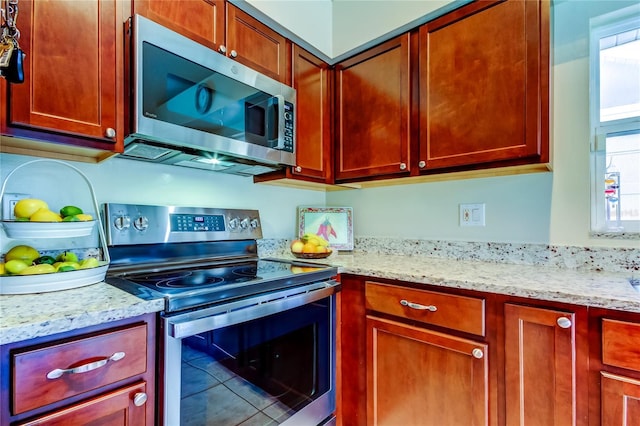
141 223
234 223
254 223
122 222
245 223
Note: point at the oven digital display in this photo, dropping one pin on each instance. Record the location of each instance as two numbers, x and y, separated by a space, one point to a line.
196 223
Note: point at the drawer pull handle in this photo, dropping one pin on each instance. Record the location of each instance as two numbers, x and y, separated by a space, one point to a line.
564 322
418 306
58 372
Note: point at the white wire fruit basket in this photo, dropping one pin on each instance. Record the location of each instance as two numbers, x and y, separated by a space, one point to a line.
21 232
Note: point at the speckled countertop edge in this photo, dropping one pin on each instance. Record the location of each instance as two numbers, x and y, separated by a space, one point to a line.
27 316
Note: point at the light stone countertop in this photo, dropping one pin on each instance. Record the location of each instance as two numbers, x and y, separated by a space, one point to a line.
597 289
26 316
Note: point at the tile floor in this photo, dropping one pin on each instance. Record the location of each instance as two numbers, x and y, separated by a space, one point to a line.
215 396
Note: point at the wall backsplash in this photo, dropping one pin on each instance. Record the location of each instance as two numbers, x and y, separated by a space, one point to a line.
624 260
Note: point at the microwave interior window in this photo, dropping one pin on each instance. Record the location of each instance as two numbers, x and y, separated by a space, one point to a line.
181 92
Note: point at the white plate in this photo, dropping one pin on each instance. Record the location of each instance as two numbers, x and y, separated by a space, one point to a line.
15 229
42 283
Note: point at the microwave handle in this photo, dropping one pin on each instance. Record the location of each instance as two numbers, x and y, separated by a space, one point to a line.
280 122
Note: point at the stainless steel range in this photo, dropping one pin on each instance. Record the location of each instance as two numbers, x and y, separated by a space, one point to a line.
242 338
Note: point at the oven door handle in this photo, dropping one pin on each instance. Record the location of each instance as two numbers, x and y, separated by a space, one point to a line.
181 327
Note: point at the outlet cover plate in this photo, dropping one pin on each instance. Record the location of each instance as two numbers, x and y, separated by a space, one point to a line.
472 214
9 200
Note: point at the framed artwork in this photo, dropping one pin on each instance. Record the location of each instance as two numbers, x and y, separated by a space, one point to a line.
334 224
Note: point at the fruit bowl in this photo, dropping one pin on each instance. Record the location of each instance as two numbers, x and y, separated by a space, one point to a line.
20 229
312 255
42 283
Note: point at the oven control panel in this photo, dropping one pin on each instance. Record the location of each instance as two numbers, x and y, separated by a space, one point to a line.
144 224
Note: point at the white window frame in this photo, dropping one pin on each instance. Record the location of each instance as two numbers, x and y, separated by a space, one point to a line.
613 23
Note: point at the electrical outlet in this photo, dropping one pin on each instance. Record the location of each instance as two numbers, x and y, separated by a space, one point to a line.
9 201
472 214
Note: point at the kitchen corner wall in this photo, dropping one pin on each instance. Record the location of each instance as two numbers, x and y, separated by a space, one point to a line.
126 181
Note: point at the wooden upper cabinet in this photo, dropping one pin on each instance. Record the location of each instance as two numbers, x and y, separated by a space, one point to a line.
252 43
484 85
199 20
311 79
73 86
542 356
373 97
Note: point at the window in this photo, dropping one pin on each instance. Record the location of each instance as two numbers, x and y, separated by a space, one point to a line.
615 121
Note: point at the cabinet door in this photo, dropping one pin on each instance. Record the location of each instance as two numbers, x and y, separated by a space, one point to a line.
252 43
424 378
200 20
311 79
620 400
73 70
125 406
540 366
373 92
484 83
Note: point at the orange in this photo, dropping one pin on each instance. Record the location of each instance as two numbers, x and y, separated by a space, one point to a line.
321 249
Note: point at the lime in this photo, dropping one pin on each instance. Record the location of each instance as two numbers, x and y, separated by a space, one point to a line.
28 206
70 211
15 266
22 219
59 265
66 268
24 253
73 218
44 259
45 268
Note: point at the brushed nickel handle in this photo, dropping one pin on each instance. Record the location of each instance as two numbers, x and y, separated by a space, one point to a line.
110 132
139 399
233 54
403 166
298 169
421 164
222 49
58 372
477 353
418 306
564 322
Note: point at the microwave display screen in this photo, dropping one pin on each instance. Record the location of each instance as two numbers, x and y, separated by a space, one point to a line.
181 92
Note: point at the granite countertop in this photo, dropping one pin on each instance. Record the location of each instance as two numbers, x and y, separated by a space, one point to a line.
597 289
24 317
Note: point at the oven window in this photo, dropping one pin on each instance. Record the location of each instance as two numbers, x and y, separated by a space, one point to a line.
262 371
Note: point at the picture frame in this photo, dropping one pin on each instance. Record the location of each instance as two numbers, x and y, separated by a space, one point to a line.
334 224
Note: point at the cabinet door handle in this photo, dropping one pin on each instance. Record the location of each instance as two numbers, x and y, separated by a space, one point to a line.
233 54
403 166
477 353
110 132
58 372
418 306
139 399
421 164
298 169
222 49
564 322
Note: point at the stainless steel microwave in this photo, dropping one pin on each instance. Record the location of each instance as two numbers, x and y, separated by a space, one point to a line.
193 107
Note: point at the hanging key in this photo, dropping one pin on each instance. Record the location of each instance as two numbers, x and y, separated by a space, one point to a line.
14 73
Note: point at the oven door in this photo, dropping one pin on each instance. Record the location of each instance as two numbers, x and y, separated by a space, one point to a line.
267 363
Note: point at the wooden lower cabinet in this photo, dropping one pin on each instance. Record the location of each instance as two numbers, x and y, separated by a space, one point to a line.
542 359
620 398
424 378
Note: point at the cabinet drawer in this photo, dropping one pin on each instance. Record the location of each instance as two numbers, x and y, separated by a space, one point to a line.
90 363
621 344
447 310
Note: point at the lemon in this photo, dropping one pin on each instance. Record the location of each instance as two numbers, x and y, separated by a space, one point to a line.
89 262
70 211
24 253
15 266
44 268
28 206
45 215
66 266
83 217
2 269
